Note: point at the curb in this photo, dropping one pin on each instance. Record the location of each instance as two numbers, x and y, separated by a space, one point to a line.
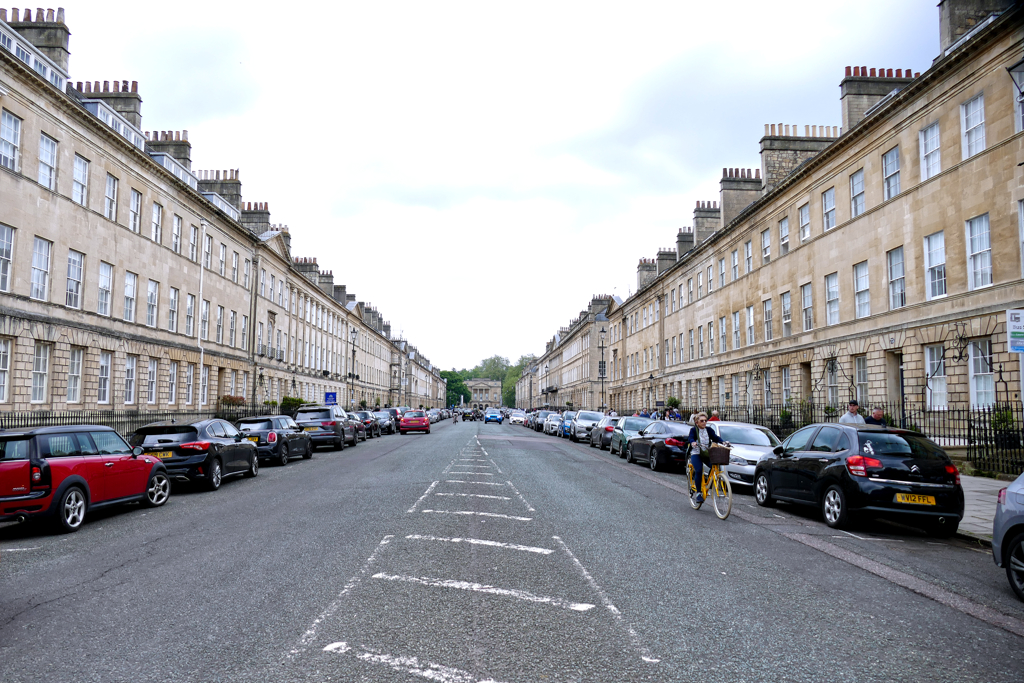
968 536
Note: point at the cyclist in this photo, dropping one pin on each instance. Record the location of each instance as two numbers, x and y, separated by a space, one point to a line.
702 435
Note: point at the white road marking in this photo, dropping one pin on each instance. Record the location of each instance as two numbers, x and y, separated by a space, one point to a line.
645 654
479 514
21 550
493 590
460 481
410 665
868 538
480 541
429 489
480 474
473 495
528 506
472 460
310 635
479 467
496 467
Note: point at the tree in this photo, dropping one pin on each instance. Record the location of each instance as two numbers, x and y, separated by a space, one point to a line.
495 367
457 389
508 386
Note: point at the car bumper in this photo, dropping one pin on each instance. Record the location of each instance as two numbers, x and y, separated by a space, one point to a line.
880 498
740 474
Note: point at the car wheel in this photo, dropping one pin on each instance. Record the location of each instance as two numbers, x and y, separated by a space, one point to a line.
308 453
254 466
283 460
339 444
158 490
216 476
652 460
763 490
428 431
1015 564
833 507
71 510
365 437
572 436
629 453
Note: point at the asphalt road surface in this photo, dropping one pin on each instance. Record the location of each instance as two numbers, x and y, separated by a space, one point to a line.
492 553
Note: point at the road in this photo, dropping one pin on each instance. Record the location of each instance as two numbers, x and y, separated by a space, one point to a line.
492 553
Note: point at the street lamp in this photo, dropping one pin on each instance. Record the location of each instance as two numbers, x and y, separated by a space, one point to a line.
651 397
352 375
601 369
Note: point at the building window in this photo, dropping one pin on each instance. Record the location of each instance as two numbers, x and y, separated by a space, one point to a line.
807 306
767 388
711 339
897 283
935 264
862 294
857 193
172 311
5 367
787 315
244 332
735 329
784 237
804 215
972 118
231 328
41 268
80 182
263 285
76 263
75 375
190 378
130 364
832 299
979 253
176 234
103 379
106 283
700 342
40 372
750 325
767 304
673 300
10 140
152 299
748 256
935 367
689 290
245 276
832 384
204 320
172 383
722 335
891 172
131 284
220 324
223 258
208 252
721 272
860 372
234 267
700 285
766 246
930 159
982 385
110 199
47 162
151 380
711 277
691 346
157 230
6 252
193 244
786 389
828 208
134 210
190 315
735 265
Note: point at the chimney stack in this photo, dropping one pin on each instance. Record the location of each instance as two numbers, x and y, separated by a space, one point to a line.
172 143
122 98
256 218
666 257
782 153
684 242
707 219
863 88
957 17
339 294
48 33
741 187
646 272
226 183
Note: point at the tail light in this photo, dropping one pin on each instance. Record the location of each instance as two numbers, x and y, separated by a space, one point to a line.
609 428
951 469
329 423
675 442
858 465
1000 498
40 477
197 446
271 437
37 475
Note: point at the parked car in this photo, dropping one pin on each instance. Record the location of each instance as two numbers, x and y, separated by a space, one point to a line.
582 423
517 418
65 473
551 423
563 426
661 444
205 451
327 425
414 421
386 421
492 415
625 429
1008 534
750 443
395 415
371 427
851 469
539 418
277 438
601 434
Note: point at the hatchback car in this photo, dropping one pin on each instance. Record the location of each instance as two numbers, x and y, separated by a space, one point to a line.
371 427
327 425
64 473
660 444
750 443
206 451
625 429
386 422
601 434
538 420
582 423
517 418
563 426
414 421
492 415
551 423
854 469
277 438
1008 534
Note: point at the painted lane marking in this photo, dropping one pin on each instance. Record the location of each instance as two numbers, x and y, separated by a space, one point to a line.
427 493
492 590
472 460
479 467
480 541
644 653
479 474
528 506
21 550
460 481
310 635
473 495
868 538
496 467
480 514
410 665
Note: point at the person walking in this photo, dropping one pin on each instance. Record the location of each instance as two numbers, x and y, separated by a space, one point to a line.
700 439
877 417
852 414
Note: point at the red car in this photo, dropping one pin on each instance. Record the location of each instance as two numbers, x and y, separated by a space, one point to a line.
67 472
414 421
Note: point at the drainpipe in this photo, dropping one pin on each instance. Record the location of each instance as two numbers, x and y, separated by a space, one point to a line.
199 327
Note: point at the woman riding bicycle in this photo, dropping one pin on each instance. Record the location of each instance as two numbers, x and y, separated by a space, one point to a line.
702 435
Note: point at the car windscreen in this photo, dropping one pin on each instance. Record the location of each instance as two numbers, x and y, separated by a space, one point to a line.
749 436
635 424
587 415
414 413
568 416
255 425
164 435
306 415
882 443
382 414
362 415
675 428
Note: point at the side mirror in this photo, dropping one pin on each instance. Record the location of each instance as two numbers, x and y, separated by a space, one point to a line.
137 451
238 437
779 450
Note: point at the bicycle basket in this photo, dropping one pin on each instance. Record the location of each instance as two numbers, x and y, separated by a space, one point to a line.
718 455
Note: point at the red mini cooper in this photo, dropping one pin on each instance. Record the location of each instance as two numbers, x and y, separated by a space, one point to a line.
414 421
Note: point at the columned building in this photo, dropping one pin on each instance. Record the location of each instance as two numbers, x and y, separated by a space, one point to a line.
486 393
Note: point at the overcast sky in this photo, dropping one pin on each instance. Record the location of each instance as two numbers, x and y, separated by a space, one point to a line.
477 170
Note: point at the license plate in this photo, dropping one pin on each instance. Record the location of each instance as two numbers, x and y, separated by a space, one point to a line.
254 439
163 454
311 429
915 499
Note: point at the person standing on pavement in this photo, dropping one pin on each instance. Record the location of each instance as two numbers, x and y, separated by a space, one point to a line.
877 417
714 416
852 414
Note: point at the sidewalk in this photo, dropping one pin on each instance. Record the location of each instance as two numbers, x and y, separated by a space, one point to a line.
979 506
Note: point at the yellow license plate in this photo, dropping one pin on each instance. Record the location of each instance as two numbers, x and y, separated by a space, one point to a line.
311 429
163 454
253 438
915 499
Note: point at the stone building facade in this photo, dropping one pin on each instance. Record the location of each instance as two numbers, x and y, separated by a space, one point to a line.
486 393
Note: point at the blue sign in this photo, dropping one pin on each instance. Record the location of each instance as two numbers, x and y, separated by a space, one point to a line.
331 398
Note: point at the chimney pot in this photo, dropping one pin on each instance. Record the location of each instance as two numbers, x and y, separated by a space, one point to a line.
3 14
848 72
40 15
117 86
15 13
899 73
49 15
773 129
60 15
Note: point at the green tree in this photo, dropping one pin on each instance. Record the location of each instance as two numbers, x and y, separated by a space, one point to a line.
457 389
495 367
514 373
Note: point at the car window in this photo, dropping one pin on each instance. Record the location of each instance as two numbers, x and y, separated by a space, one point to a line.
215 429
414 413
676 428
652 429
798 440
14 449
587 415
826 440
313 415
253 425
635 423
749 436
57 445
108 443
229 429
164 434
874 443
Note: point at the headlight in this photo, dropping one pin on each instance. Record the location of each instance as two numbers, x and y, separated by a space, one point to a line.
736 460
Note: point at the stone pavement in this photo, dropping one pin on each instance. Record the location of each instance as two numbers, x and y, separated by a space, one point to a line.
979 506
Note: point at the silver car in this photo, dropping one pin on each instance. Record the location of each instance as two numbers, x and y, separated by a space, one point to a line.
582 423
1008 534
750 443
551 423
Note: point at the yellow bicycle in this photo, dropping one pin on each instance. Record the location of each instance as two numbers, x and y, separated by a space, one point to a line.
714 485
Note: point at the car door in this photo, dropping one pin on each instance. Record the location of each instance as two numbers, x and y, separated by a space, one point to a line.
126 474
809 464
15 467
285 435
242 450
216 436
642 443
784 467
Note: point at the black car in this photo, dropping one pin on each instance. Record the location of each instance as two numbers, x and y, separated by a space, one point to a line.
277 437
327 425
601 434
850 469
538 421
661 444
469 416
205 451
386 421
371 427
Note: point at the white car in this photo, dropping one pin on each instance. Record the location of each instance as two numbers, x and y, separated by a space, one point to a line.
551 423
517 418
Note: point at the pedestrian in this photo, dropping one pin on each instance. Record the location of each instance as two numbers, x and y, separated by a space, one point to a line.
877 417
644 413
613 414
852 414
714 416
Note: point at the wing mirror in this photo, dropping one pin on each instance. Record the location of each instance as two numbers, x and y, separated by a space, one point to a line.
779 450
137 451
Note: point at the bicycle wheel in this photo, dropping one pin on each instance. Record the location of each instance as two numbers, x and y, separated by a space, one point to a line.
693 487
721 495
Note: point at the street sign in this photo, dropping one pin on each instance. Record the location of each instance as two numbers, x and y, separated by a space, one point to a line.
1015 330
331 398
659 404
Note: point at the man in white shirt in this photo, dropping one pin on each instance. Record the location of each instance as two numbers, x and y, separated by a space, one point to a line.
852 416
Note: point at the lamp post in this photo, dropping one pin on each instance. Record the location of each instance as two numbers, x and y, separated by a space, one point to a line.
601 370
352 375
651 398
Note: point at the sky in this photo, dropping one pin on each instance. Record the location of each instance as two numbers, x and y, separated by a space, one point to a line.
479 170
